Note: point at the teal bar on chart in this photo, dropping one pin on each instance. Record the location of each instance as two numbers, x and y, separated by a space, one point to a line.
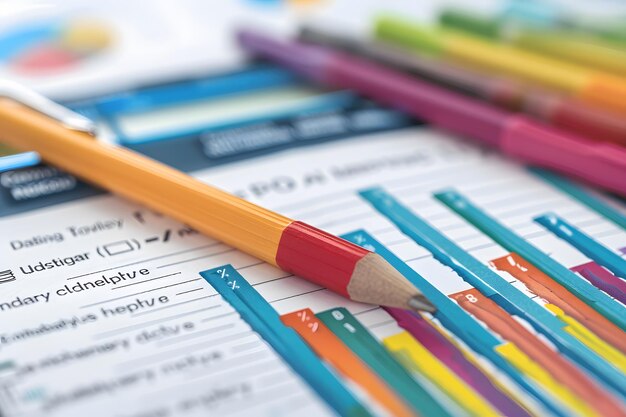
457 320
345 326
584 243
582 196
264 320
597 299
493 286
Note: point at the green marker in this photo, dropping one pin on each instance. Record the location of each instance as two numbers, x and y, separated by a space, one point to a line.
568 44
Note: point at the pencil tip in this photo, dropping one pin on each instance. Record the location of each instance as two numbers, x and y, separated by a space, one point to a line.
421 303
375 281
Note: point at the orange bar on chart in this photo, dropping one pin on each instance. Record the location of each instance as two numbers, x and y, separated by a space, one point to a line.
330 348
568 375
554 293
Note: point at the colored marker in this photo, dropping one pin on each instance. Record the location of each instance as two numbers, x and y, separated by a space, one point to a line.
603 90
603 279
595 298
603 164
459 322
566 113
584 243
351 332
565 44
418 359
330 348
456 360
492 285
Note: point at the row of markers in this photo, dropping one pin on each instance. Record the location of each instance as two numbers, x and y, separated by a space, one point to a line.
572 362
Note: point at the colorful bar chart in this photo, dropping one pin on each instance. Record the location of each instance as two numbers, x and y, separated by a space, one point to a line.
563 362
494 286
509 240
460 323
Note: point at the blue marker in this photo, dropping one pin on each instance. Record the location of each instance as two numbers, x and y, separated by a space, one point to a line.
457 320
493 286
597 299
265 321
584 243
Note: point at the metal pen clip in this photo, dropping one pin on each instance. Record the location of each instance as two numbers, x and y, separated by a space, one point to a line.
43 105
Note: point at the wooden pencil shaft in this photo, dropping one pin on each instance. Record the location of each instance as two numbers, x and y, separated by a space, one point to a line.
209 210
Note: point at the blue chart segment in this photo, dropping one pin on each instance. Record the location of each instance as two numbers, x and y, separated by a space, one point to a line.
584 243
458 321
582 196
492 285
597 299
265 321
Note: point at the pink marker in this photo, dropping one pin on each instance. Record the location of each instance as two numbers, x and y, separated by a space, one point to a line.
602 164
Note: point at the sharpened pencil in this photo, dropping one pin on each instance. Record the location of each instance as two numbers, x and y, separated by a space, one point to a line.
291 245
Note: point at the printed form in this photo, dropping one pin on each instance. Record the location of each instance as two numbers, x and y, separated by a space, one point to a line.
103 310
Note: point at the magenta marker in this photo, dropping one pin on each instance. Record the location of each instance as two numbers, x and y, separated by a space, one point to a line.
602 164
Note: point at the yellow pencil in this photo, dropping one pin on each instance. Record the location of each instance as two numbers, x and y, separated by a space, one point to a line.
31 122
